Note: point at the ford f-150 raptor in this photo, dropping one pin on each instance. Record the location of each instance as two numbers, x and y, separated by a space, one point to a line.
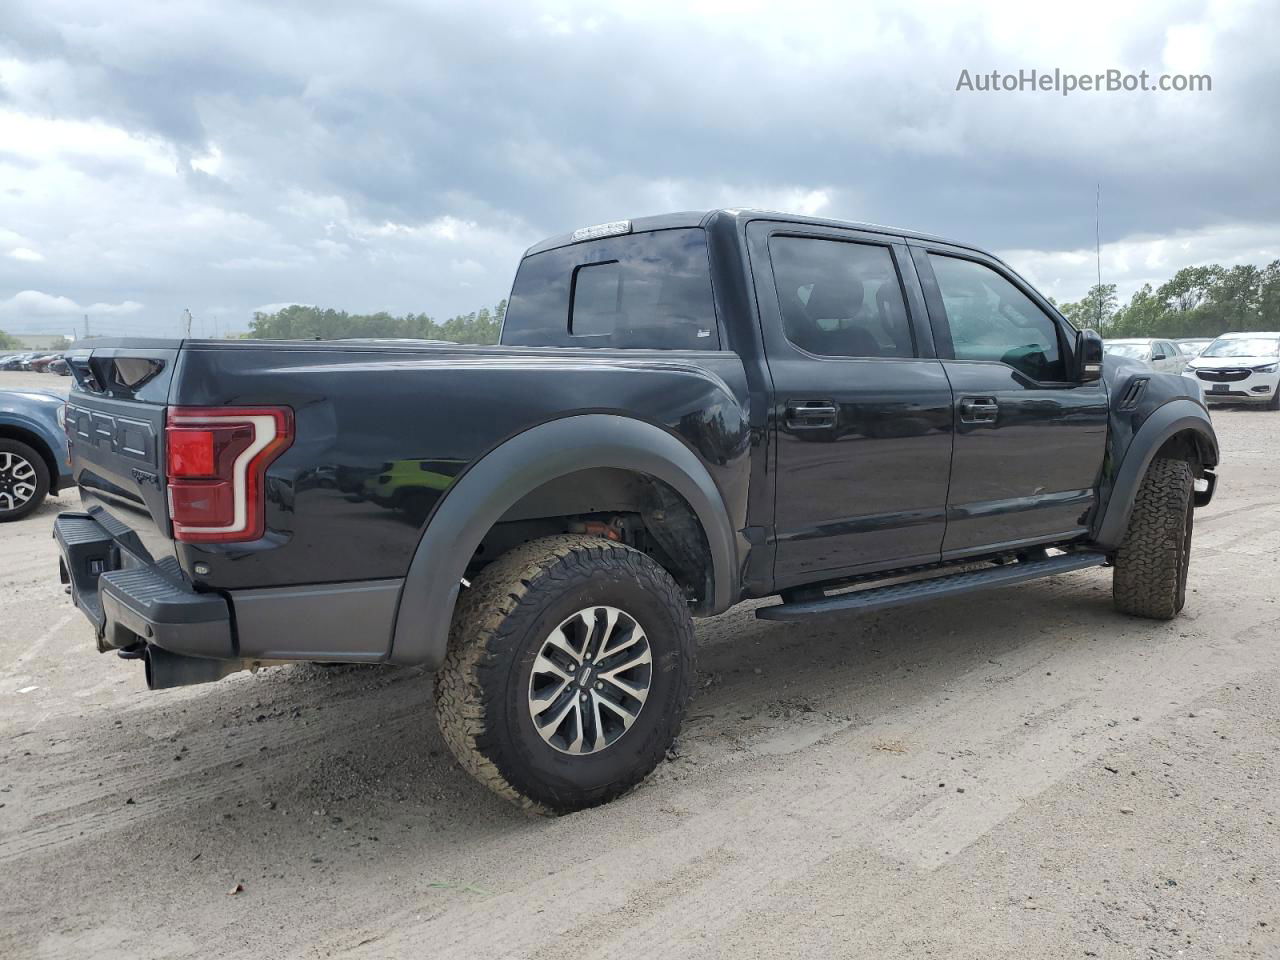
684 412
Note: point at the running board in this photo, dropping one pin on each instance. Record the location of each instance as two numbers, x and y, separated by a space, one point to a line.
898 594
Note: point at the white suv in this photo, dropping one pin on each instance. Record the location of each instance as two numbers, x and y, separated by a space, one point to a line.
1240 368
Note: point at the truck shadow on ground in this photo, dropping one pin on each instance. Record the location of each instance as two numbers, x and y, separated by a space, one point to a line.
303 778
347 764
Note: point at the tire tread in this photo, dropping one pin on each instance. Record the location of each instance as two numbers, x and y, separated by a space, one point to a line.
487 624
1149 579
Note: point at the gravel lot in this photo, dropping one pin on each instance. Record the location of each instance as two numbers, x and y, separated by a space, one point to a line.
1019 774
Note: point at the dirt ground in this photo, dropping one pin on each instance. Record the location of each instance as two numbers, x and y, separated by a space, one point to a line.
1019 774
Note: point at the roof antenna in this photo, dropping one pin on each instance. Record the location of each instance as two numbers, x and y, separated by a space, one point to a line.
1097 244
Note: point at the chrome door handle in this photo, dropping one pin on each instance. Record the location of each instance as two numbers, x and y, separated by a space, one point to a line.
979 410
810 414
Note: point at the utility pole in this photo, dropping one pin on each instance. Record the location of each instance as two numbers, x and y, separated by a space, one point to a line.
186 322
86 326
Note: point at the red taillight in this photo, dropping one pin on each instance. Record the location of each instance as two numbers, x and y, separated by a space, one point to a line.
215 459
190 452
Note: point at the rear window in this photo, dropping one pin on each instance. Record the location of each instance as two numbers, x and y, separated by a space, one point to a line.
643 290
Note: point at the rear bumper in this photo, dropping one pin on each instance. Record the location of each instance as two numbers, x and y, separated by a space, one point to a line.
129 601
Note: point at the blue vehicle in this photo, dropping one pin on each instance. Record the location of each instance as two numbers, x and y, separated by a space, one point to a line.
33 450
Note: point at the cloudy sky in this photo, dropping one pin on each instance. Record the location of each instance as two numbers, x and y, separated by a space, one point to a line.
226 156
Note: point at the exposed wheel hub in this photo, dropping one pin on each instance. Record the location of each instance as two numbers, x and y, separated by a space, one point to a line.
590 680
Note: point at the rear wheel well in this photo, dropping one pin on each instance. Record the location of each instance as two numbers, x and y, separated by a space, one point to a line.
621 505
36 443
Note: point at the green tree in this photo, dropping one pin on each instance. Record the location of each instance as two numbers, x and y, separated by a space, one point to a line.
1095 310
300 322
1269 297
1232 302
13 343
1142 316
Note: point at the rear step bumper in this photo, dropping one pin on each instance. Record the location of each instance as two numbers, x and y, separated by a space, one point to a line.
128 602
149 611
898 594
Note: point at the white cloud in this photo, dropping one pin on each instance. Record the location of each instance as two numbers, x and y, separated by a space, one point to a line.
1066 275
277 307
239 154
37 305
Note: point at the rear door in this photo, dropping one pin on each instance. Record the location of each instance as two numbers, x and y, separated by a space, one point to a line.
1029 441
115 431
861 415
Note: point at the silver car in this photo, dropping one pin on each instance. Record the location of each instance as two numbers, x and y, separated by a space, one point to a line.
1193 346
1162 355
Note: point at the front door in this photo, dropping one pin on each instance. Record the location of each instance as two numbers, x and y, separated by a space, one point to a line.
1166 358
862 408
1029 442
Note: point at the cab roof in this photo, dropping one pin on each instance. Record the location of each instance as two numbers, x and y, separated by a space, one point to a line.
744 215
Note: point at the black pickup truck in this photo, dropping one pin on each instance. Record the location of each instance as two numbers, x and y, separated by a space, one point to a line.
685 412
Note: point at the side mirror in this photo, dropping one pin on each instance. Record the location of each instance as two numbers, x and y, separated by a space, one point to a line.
1088 356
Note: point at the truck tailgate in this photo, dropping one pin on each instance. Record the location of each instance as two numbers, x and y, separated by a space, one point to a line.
115 428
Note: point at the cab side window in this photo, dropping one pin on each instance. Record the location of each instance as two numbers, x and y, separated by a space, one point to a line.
840 299
649 291
991 319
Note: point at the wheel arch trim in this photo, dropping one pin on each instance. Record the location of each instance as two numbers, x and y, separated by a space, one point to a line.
1175 417
507 473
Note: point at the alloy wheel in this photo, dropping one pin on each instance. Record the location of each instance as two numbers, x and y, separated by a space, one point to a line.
590 680
17 481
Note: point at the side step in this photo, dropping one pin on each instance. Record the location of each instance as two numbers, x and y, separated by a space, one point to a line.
899 594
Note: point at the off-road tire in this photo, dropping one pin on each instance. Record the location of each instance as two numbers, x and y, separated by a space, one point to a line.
1151 563
18 449
499 626
1274 402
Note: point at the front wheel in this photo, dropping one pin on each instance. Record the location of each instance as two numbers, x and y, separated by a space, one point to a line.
569 668
1151 563
24 480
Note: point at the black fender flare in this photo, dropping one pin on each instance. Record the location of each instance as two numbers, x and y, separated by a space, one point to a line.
496 482
1168 420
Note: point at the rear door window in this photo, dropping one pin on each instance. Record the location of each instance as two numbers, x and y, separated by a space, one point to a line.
840 299
645 290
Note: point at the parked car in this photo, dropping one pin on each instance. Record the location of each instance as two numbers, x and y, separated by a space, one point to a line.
16 361
1162 355
41 363
59 366
33 451
1240 368
686 411
1193 346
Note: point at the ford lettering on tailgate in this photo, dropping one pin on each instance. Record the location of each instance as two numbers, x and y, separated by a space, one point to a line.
123 436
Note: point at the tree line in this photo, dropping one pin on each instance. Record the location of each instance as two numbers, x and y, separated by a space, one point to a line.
1194 302
299 322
